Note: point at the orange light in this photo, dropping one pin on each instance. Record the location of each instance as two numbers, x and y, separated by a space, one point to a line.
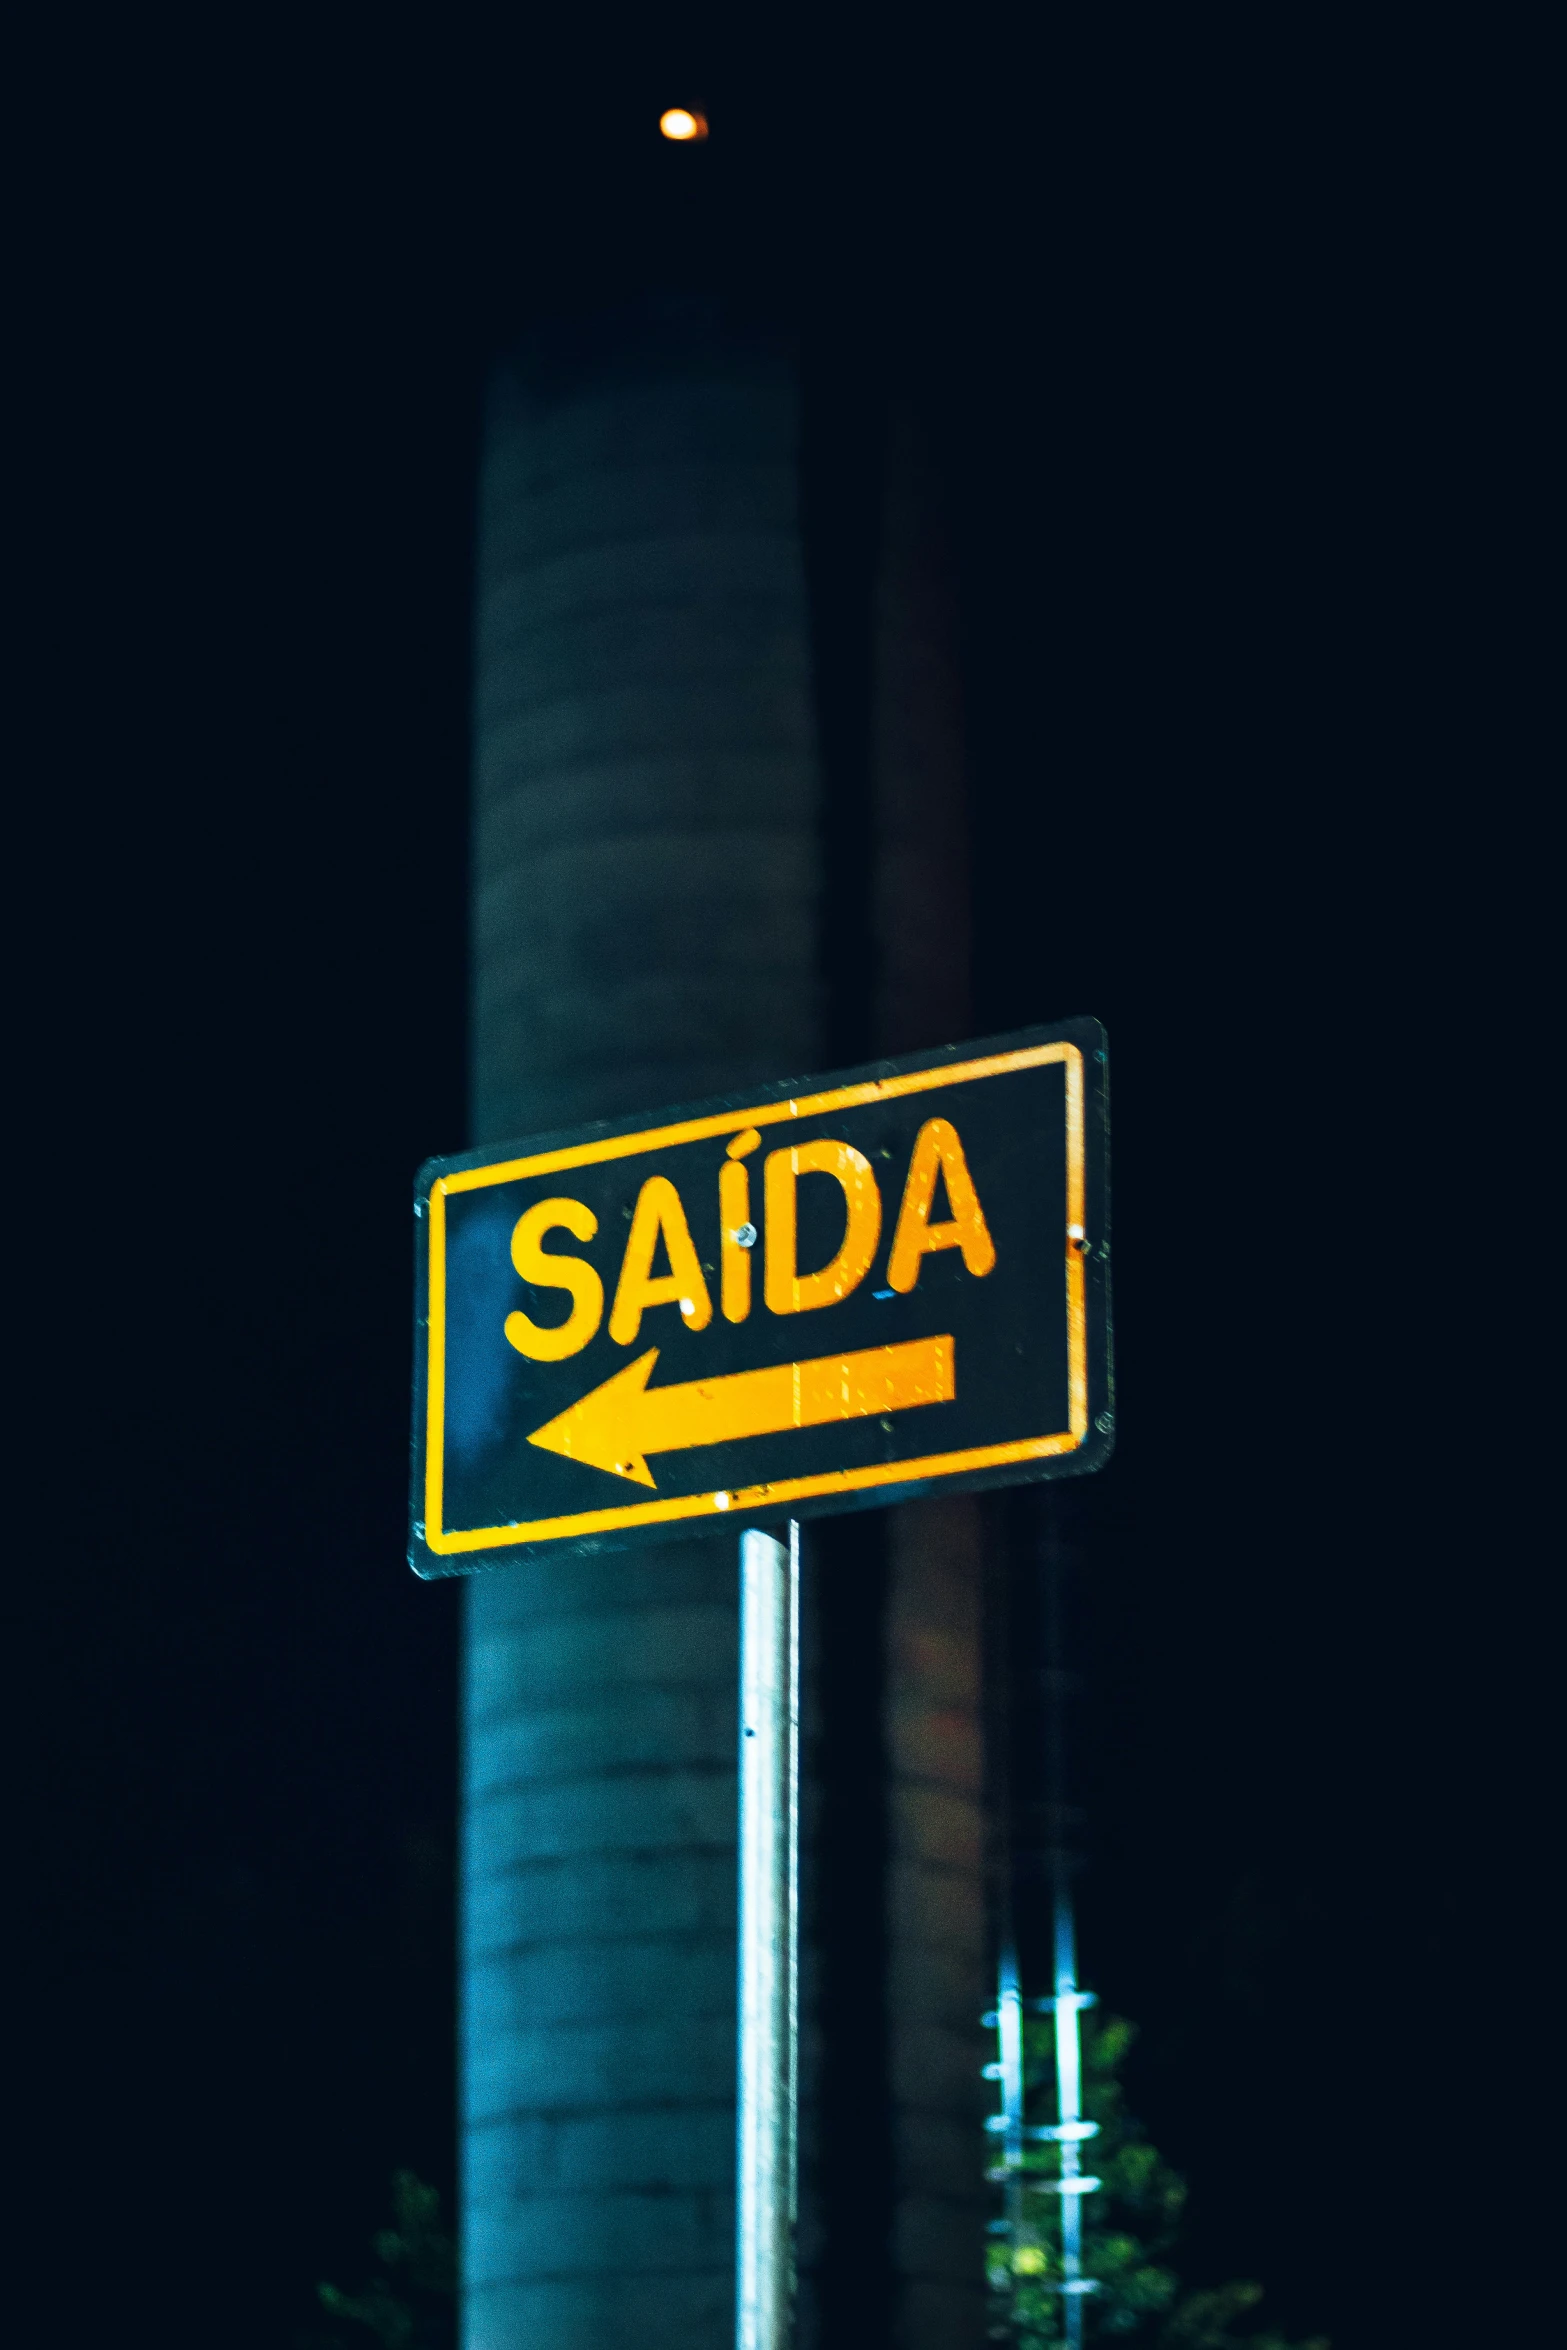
678 122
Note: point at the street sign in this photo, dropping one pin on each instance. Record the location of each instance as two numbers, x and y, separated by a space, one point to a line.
826 1294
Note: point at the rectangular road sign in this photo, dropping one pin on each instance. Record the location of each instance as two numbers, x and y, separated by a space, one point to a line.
820 1295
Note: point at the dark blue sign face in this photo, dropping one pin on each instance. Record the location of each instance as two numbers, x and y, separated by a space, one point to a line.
821 1295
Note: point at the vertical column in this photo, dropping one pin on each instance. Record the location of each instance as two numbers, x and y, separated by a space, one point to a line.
648 887
646 884
938 1974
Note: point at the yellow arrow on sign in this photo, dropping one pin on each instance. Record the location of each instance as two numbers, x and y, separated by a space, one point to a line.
613 1426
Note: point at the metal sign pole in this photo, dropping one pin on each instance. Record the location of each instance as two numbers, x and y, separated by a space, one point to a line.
769 1939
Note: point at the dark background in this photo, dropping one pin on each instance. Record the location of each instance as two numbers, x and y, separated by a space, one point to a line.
1169 296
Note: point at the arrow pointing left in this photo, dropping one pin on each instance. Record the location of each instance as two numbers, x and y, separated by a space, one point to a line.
613 1427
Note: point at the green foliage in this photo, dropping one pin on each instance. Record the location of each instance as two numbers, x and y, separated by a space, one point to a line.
412 2303
1129 2226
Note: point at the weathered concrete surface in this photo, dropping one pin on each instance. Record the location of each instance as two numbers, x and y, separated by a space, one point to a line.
645 908
647 899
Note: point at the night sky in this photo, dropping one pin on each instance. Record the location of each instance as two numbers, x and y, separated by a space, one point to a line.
1154 292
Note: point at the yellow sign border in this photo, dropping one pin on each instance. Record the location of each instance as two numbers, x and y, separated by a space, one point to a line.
750 1499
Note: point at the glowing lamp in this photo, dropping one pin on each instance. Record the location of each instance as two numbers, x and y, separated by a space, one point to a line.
679 123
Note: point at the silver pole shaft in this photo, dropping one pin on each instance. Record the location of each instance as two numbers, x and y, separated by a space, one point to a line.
769 1939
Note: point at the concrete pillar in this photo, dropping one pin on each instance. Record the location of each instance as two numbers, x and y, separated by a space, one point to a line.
936 1938
645 908
648 894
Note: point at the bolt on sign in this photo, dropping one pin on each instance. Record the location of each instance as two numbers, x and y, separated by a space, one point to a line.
819 1295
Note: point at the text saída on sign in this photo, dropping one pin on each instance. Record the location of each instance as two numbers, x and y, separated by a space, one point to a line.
820 1295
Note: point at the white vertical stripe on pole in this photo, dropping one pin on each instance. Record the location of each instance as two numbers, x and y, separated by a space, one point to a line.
769 1939
1009 2030
1068 2000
